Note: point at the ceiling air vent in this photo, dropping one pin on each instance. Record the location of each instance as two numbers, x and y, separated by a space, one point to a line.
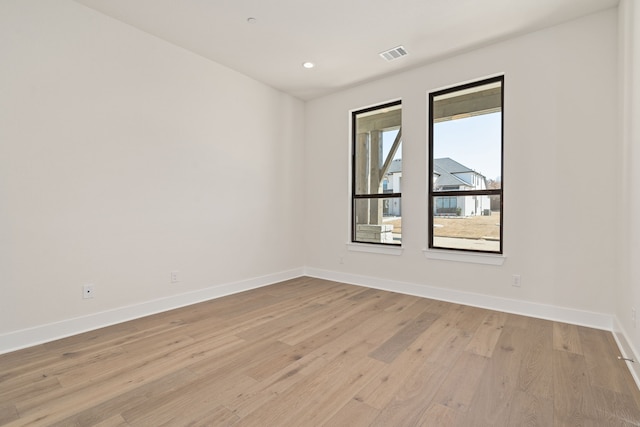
395 53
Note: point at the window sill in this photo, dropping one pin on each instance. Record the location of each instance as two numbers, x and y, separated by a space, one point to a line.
475 258
375 249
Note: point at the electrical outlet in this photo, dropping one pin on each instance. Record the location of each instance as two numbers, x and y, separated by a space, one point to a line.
340 260
516 281
87 291
175 276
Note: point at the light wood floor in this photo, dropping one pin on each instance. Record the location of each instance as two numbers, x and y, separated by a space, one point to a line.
310 352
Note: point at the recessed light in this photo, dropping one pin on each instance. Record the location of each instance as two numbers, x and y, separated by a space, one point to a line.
308 65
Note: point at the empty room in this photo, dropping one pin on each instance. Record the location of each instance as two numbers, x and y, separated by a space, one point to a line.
296 213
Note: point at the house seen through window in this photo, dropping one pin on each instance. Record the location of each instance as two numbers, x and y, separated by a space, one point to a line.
377 175
465 146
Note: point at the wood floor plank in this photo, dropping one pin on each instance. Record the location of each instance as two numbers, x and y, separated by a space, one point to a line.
292 297
28 386
60 353
269 365
452 342
335 293
616 408
219 417
98 337
536 370
391 348
257 396
574 400
279 326
306 397
530 410
566 338
107 361
439 415
384 386
462 317
189 404
137 397
601 362
8 412
331 399
316 352
103 386
405 301
388 322
460 385
382 389
492 400
367 302
353 414
115 421
241 358
486 336
246 305
339 324
412 399
374 331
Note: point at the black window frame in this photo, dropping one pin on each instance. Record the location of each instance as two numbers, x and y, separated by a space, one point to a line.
458 193
354 195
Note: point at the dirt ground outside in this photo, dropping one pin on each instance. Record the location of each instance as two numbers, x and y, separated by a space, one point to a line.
473 227
397 224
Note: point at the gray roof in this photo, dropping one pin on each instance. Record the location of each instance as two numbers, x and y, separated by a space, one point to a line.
450 165
446 179
445 168
395 166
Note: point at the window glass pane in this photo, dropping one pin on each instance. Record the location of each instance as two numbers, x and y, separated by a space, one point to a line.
467 139
377 174
465 146
469 222
378 220
378 151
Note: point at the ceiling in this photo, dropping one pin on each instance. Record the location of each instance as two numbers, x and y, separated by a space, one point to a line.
342 37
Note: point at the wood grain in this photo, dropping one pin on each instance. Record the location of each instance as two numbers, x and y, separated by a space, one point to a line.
566 338
310 352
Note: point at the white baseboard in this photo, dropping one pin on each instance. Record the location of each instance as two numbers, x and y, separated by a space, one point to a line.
525 308
627 350
50 332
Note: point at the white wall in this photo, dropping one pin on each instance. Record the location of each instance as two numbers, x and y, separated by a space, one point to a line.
560 126
115 149
628 291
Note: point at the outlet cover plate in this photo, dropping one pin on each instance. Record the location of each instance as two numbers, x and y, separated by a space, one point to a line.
88 291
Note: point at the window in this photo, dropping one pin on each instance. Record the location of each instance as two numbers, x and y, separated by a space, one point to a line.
377 175
465 167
